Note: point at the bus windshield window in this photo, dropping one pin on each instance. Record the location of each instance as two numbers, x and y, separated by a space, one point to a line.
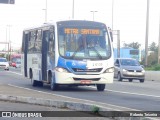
84 43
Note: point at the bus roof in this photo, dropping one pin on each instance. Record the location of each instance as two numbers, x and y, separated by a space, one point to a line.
70 22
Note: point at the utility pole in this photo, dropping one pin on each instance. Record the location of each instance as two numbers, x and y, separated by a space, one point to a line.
159 42
9 41
146 39
6 37
118 43
45 12
73 10
117 32
112 12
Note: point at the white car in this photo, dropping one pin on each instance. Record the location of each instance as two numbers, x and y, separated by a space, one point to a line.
18 64
4 64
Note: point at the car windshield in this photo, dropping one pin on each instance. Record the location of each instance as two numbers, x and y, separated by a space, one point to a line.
129 62
3 60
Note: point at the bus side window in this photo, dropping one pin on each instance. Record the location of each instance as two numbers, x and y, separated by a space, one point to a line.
31 45
38 41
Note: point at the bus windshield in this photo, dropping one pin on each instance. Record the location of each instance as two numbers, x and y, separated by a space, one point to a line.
83 43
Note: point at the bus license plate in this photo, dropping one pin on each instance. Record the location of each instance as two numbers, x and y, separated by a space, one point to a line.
85 81
94 64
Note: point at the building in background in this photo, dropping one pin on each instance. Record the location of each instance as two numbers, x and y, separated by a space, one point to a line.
128 52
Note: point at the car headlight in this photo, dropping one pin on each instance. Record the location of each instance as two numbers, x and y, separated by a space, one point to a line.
124 70
109 70
59 69
143 71
7 65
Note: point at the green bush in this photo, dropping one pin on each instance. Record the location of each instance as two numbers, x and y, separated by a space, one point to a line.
155 67
95 109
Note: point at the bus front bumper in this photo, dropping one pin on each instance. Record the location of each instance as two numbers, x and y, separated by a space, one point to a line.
70 78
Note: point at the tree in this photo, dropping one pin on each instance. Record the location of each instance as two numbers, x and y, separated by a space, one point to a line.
153 57
153 47
134 45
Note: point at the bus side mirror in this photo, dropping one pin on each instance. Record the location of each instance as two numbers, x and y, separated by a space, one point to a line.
111 33
115 64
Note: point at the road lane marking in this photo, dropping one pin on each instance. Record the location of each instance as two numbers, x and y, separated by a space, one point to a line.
112 90
120 107
15 72
129 93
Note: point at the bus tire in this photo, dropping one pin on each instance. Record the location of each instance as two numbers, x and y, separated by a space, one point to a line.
53 85
130 80
40 83
100 87
33 82
141 80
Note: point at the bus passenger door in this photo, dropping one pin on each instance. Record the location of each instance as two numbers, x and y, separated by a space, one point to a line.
44 54
26 39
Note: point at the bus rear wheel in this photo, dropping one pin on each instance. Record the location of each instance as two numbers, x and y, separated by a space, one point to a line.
33 82
100 87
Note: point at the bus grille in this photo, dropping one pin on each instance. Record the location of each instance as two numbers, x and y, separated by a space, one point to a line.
92 79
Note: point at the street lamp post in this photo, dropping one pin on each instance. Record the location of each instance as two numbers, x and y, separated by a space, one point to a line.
45 12
9 40
93 13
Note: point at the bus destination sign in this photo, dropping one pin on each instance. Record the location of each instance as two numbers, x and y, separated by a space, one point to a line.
81 31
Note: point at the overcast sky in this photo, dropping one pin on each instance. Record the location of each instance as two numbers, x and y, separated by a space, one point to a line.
129 16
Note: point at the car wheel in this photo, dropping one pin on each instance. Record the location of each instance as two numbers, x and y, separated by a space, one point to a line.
130 80
119 77
141 80
100 87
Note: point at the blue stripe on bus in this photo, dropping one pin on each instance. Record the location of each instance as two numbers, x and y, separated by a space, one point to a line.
69 64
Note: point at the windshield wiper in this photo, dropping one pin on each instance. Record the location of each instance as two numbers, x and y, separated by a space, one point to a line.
99 55
74 54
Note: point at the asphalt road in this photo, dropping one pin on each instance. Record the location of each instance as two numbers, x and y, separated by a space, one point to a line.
131 95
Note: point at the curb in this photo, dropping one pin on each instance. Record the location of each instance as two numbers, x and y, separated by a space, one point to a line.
71 105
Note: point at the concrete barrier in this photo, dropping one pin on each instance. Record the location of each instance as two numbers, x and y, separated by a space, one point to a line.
102 111
152 75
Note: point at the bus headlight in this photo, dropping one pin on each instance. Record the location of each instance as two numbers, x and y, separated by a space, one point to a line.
59 69
124 70
109 70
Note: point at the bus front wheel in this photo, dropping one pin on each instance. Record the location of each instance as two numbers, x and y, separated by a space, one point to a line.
53 85
100 87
